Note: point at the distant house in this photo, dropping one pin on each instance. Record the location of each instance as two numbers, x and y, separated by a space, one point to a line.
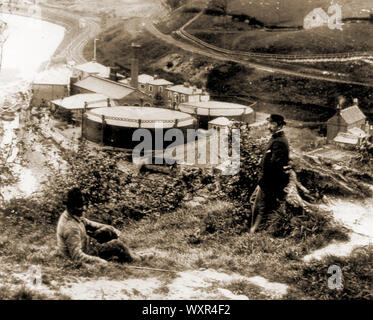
184 93
158 86
122 94
350 121
151 85
91 68
316 18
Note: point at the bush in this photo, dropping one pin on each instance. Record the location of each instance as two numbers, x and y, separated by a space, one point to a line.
357 272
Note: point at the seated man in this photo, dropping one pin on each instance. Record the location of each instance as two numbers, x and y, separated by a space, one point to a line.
98 245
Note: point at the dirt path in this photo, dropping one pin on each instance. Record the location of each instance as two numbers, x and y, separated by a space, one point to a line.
202 284
354 215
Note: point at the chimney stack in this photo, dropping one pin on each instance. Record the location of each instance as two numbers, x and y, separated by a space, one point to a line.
355 102
135 66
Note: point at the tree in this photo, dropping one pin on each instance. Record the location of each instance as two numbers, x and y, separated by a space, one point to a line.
217 7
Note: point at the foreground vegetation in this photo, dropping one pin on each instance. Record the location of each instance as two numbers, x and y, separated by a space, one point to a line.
212 235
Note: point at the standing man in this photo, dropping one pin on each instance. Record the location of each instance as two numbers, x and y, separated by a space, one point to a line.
100 245
274 177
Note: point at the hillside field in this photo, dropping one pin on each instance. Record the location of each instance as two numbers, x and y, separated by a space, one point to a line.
292 12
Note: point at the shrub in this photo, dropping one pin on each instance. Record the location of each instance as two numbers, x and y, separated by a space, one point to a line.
357 272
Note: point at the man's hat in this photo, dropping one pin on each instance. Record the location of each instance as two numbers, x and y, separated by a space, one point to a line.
74 198
277 118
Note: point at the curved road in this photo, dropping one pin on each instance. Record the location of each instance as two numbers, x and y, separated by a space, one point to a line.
206 51
72 50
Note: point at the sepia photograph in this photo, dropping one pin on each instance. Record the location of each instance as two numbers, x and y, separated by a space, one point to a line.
194 151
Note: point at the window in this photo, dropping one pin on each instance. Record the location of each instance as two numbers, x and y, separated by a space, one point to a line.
169 94
160 89
150 88
182 98
176 97
142 86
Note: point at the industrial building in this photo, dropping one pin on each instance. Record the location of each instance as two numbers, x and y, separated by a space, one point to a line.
115 126
121 93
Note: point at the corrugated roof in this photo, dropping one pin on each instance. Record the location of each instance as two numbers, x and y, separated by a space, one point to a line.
352 114
111 89
94 67
75 102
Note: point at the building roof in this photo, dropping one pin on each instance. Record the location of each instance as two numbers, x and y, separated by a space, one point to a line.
215 108
221 121
352 114
109 88
94 67
185 90
357 132
144 117
75 102
160 82
346 138
145 78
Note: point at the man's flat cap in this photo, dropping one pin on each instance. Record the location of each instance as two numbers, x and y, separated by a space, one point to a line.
279 119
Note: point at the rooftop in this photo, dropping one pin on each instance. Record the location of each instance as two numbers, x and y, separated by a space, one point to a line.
352 114
94 67
160 82
109 88
75 102
221 121
357 132
346 138
141 117
185 90
215 108
145 78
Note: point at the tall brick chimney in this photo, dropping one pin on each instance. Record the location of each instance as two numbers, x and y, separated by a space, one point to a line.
135 65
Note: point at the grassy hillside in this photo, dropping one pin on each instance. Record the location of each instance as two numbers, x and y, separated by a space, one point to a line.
292 13
155 56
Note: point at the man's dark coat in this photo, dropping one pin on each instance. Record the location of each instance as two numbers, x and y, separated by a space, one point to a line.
273 177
